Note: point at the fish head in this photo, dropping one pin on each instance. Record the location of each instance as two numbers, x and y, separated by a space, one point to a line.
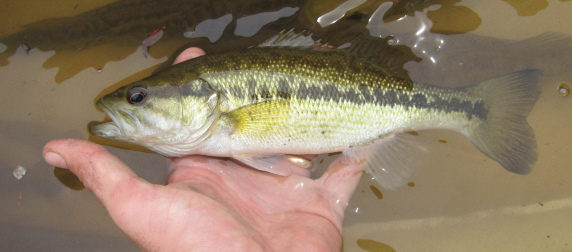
171 119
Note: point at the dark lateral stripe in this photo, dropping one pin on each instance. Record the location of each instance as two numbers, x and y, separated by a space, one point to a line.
409 99
428 97
423 97
268 87
470 109
434 98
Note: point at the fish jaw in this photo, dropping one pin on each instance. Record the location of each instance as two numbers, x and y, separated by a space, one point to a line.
122 123
105 130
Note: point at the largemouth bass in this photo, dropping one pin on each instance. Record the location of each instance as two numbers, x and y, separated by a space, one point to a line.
257 104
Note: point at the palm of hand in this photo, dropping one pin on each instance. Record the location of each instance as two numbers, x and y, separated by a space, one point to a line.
246 210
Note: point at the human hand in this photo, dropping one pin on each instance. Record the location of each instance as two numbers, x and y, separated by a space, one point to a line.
212 204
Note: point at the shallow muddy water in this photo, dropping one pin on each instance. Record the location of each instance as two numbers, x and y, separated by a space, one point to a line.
460 200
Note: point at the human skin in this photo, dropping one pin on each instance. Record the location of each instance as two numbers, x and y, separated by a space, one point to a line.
214 204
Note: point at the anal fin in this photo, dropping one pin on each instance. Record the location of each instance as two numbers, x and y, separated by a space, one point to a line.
390 160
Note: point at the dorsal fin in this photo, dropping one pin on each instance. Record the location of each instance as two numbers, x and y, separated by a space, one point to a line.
380 52
374 50
291 39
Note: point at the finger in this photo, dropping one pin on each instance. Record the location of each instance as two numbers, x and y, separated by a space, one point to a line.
340 182
188 54
100 171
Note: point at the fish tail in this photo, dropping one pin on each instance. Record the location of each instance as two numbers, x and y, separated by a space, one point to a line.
505 135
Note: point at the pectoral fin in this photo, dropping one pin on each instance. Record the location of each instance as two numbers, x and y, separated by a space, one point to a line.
390 160
261 119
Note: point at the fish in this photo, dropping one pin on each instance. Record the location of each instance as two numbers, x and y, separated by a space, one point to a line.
286 97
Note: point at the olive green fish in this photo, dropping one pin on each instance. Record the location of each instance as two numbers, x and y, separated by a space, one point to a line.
290 97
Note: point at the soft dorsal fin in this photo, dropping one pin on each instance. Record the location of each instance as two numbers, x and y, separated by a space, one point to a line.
380 52
374 50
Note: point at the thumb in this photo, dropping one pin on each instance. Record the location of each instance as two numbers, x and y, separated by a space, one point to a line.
100 171
188 54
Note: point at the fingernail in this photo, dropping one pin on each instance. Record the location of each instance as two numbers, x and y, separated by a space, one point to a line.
55 160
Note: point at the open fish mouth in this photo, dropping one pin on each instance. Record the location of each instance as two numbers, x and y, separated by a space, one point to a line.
105 130
109 129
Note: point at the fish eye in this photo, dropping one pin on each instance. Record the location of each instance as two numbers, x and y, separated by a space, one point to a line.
136 95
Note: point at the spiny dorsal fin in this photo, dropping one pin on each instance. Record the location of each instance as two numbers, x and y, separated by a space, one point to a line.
374 50
291 39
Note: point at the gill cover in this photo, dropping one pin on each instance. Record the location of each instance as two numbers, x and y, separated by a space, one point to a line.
199 111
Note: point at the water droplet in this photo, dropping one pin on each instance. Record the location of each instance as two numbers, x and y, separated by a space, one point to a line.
19 172
564 89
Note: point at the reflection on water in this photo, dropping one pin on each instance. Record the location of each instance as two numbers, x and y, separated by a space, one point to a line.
458 42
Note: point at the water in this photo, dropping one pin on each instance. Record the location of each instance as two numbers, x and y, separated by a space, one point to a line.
459 201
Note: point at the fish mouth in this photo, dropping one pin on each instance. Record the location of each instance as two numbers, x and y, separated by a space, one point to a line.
105 130
111 129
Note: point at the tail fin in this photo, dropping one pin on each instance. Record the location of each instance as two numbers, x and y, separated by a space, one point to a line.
505 136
